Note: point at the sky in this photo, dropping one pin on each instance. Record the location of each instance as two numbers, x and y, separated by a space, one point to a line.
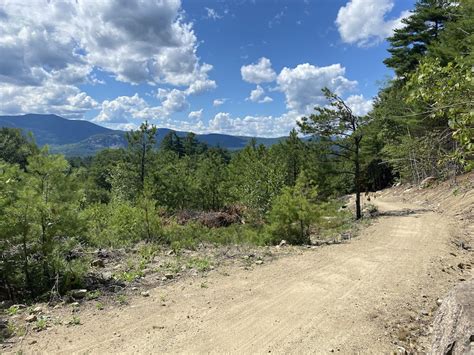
241 67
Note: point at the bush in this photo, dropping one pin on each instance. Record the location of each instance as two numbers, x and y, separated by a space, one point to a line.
293 212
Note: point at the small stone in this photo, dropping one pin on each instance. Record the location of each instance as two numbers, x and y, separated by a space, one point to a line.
98 263
425 312
282 243
32 342
107 275
37 310
170 252
145 294
169 276
31 318
75 304
164 278
79 293
439 301
134 288
259 262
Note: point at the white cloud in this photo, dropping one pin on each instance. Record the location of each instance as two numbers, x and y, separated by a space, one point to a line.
256 96
212 14
218 102
260 72
195 115
65 100
363 22
359 105
172 101
262 126
302 85
51 44
120 110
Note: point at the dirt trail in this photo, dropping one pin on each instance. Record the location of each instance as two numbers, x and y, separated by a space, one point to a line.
342 297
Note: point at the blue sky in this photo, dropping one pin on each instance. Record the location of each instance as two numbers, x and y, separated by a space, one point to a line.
240 67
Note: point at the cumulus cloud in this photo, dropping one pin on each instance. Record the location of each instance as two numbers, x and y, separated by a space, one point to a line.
120 110
262 126
359 105
302 85
218 102
51 44
257 94
364 23
195 115
260 72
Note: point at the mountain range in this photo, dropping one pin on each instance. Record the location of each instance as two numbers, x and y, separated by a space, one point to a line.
82 138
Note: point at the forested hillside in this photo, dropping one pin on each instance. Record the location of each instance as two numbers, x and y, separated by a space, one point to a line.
54 210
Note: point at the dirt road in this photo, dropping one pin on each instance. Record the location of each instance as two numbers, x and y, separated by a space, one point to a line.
341 298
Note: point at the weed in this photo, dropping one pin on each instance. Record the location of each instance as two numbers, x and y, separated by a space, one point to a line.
122 300
13 310
41 324
99 306
92 295
75 320
200 264
204 285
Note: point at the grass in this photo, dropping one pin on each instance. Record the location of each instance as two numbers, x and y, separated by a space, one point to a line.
75 320
100 306
13 310
122 299
92 295
200 264
41 324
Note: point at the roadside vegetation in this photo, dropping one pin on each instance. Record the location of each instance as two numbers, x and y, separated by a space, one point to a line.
183 194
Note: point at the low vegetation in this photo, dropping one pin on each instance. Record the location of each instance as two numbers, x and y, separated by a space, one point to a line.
184 194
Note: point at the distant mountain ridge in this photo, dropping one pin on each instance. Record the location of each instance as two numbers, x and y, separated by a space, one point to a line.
82 138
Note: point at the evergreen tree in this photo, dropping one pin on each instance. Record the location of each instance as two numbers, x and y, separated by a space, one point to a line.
410 43
140 144
341 132
172 142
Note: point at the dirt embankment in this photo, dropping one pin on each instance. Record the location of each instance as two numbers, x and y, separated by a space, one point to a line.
375 293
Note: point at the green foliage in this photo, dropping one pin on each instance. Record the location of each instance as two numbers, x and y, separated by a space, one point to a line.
410 42
15 148
293 212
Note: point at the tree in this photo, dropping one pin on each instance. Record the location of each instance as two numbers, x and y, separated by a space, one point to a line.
140 143
191 146
340 131
15 148
293 212
172 143
410 42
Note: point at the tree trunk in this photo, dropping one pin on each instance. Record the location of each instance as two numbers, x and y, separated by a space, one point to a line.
357 178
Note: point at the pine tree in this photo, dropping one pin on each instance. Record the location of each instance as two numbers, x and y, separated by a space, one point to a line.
140 144
410 43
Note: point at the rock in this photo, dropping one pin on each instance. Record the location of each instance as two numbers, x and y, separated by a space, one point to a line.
169 276
453 326
32 342
79 294
134 288
164 278
282 243
145 294
31 318
107 276
37 310
425 312
170 252
427 182
75 304
259 262
98 263
439 301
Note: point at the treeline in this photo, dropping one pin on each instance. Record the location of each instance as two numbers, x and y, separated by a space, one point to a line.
53 209
422 123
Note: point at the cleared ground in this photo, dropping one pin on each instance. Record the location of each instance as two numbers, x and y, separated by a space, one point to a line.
355 296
